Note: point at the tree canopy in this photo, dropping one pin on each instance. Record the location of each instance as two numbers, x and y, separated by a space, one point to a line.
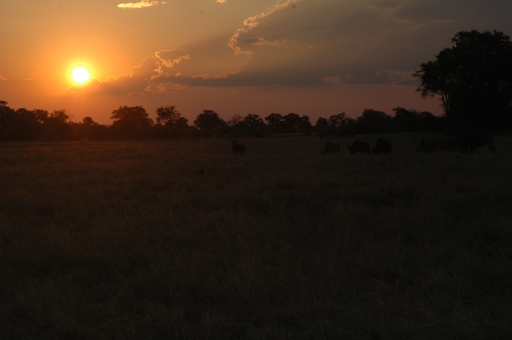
473 79
209 122
134 123
131 122
167 115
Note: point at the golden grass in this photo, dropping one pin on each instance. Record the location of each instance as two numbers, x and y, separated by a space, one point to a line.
183 240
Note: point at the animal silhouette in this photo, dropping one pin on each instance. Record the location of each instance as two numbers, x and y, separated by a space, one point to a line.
359 146
382 146
238 148
472 142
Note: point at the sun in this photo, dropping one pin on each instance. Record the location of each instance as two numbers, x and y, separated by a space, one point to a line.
80 75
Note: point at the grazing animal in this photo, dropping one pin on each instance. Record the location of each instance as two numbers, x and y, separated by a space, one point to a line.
454 144
331 148
382 146
473 142
465 143
359 146
237 147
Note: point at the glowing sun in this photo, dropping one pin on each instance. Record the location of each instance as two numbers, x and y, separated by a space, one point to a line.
80 75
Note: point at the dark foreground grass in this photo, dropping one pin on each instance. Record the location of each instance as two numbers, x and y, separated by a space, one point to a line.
182 240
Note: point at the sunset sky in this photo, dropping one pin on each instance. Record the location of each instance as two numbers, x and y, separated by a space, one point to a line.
310 57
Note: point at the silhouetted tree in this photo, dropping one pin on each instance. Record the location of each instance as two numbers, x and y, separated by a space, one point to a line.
209 123
305 125
341 125
26 125
372 121
181 129
336 121
167 115
255 125
405 120
473 79
234 120
56 124
322 126
349 127
236 126
275 121
428 122
174 124
7 119
88 121
23 124
291 122
131 122
89 129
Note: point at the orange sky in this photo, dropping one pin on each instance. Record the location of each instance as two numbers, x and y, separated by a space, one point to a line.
310 57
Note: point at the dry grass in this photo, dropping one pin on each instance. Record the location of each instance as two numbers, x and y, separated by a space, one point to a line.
133 241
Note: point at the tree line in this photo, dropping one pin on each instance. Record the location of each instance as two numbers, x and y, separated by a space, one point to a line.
472 79
134 123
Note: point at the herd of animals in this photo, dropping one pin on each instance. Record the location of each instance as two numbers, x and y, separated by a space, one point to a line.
382 146
465 144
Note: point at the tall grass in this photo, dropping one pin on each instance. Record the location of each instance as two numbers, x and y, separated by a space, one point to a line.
183 240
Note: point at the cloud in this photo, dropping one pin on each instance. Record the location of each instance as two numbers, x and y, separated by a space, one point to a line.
141 79
315 43
367 42
141 4
2 78
134 82
171 57
254 21
259 41
220 1
333 80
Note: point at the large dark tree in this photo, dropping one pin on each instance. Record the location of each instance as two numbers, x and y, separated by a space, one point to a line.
209 123
291 122
175 125
255 125
473 79
372 121
322 125
305 124
7 119
88 129
56 124
131 122
405 120
167 115
21 124
275 121
342 125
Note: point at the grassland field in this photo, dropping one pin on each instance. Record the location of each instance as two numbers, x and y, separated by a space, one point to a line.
183 240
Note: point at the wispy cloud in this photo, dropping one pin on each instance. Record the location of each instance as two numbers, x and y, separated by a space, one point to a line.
253 22
142 79
303 43
141 4
171 57
220 1
2 78
259 41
